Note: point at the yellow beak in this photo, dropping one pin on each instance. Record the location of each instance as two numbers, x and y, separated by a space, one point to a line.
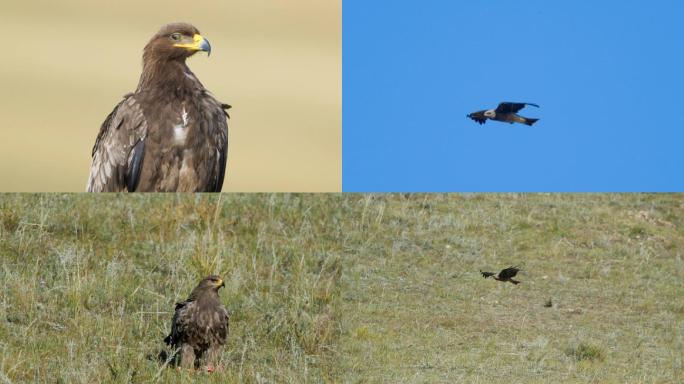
199 43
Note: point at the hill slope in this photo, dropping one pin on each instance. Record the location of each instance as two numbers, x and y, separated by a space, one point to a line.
600 298
346 288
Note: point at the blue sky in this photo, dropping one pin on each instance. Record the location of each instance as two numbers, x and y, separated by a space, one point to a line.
608 75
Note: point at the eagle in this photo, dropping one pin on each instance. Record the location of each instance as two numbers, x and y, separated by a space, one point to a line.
200 326
170 134
506 112
505 274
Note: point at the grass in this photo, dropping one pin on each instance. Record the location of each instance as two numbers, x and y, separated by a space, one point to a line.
347 288
89 284
586 351
600 298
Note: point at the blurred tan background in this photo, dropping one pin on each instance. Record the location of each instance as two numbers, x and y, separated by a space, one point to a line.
277 62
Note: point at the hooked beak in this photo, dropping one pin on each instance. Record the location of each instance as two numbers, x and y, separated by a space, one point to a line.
199 43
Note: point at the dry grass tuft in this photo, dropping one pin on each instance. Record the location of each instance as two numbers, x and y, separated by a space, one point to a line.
586 351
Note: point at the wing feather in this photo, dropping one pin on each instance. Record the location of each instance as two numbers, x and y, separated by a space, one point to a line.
182 318
216 121
509 272
117 153
135 165
508 107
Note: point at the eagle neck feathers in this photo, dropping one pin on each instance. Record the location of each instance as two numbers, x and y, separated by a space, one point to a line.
164 79
203 295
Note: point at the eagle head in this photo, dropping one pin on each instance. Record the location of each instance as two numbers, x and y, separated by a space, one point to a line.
176 41
478 116
211 282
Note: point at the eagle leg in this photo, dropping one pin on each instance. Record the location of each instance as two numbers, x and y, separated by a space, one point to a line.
213 355
187 357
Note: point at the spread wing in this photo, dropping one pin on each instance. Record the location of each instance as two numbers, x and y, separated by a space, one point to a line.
478 117
119 149
508 107
508 272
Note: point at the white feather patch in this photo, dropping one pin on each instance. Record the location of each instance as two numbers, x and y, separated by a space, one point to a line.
180 131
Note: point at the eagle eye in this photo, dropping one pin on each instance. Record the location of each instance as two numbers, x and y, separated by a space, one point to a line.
175 36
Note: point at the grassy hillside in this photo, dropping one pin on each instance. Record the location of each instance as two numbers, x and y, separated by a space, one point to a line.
600 298
88 284
353 288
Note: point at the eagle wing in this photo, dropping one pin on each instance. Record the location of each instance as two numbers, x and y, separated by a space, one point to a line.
221 326
508 107
508 272
214 121
197 325
179 324
119 149
222 146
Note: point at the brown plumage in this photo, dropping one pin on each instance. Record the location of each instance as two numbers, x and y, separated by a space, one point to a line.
505 274
506 112
170 134
200 326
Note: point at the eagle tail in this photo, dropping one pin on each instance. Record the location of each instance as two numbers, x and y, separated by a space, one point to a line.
529 121
487 274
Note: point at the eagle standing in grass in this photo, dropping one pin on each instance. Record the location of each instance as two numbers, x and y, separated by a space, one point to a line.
200 326
505 275
506 112
170 134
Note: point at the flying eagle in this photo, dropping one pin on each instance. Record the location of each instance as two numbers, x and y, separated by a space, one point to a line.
200 326
505 275
170 134
506 112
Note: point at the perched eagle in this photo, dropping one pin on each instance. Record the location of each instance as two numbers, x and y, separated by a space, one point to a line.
506 112
505 275
200 326
170 134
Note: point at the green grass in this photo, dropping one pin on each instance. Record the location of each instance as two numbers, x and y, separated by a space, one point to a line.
88 284
585 351
347 288
600 298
